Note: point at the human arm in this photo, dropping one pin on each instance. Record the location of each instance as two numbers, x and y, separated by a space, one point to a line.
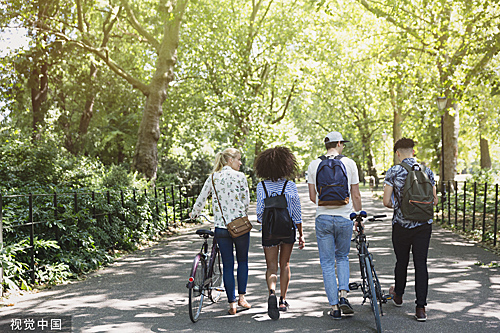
295 210
302 242
245 193
356 197
202 198
387 198
312 192
435 195
260 202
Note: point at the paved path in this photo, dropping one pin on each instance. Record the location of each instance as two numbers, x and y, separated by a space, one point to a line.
145 291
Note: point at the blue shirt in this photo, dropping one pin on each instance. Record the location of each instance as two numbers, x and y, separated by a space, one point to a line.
396 177
275 188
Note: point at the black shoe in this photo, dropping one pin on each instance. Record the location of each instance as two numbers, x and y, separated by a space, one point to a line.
272 307
335 314
345 306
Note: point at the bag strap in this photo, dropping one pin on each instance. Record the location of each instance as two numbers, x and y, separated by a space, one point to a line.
337 157
284 186
265 189
218 201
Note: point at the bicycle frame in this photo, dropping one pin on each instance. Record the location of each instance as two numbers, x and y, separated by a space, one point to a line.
205 279
203 256
370 285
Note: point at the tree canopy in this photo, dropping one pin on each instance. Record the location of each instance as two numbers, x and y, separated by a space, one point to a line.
161 85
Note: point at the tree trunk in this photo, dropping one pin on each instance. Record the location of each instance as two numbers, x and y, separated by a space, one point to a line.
451 127
39 83
485 154
397 133
372 171
146 149
88 112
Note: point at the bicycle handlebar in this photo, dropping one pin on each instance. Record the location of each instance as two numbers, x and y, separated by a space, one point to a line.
204 216
362 215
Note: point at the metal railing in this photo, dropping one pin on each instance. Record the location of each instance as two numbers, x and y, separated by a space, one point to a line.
470 207
162 208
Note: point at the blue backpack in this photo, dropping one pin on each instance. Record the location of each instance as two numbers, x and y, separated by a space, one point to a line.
332 184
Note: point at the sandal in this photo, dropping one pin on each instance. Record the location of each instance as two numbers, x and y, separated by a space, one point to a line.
283 304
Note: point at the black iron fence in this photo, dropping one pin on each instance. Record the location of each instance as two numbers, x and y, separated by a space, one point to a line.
27 218
472 208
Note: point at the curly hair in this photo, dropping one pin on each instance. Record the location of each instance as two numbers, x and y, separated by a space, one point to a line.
276 163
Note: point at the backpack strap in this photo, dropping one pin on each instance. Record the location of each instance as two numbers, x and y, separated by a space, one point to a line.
265 189
406 166
337 157
284 186
410 168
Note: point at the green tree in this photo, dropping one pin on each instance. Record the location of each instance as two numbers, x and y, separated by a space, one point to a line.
458 39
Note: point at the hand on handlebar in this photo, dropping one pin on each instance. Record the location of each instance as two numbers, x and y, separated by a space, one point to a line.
358 220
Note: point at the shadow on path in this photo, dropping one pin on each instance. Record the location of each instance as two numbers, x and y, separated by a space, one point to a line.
145 291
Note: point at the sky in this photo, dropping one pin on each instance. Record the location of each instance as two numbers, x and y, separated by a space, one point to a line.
11 40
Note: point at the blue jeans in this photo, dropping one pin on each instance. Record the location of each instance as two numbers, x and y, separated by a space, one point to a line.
333 234
242 245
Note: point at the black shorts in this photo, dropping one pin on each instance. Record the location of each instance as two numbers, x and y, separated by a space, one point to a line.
274 242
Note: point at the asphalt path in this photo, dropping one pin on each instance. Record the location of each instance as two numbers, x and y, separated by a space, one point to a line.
146 291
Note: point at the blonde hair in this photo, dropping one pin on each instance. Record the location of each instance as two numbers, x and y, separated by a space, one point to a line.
222 158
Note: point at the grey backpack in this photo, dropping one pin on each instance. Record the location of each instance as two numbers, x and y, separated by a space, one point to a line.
417 199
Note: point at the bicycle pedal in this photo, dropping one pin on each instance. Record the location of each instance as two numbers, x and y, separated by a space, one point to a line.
219 289
354 286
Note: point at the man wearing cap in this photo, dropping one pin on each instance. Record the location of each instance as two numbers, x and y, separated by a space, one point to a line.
334 228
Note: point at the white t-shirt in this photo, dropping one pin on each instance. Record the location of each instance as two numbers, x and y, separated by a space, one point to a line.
352 178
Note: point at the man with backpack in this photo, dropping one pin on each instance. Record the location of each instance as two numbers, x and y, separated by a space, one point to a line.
334 187
410 189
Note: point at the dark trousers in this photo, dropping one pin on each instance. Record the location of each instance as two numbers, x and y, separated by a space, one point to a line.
417 239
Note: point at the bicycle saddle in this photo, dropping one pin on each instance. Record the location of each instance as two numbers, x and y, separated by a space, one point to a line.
204 232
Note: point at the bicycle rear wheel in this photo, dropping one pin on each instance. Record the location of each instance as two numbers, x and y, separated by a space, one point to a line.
195 293
216 286
372 293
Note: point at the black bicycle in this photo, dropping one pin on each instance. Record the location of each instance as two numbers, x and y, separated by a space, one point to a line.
370 285
205 279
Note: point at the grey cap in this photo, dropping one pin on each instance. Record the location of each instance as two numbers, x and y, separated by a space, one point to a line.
334 137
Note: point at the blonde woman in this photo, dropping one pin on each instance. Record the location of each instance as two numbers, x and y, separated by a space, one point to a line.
232 190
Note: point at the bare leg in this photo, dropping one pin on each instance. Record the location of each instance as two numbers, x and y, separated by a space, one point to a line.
285 274
271 254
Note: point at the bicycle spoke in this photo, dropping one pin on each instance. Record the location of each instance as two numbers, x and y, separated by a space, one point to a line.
372 293
196 292
216 282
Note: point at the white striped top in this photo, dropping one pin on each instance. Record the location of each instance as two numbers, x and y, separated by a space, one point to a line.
274 188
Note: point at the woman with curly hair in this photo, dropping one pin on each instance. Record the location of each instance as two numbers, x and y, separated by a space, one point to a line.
274 166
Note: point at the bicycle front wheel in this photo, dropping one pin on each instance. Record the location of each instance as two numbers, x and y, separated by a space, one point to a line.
378 289
196 290
216 286
372 293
